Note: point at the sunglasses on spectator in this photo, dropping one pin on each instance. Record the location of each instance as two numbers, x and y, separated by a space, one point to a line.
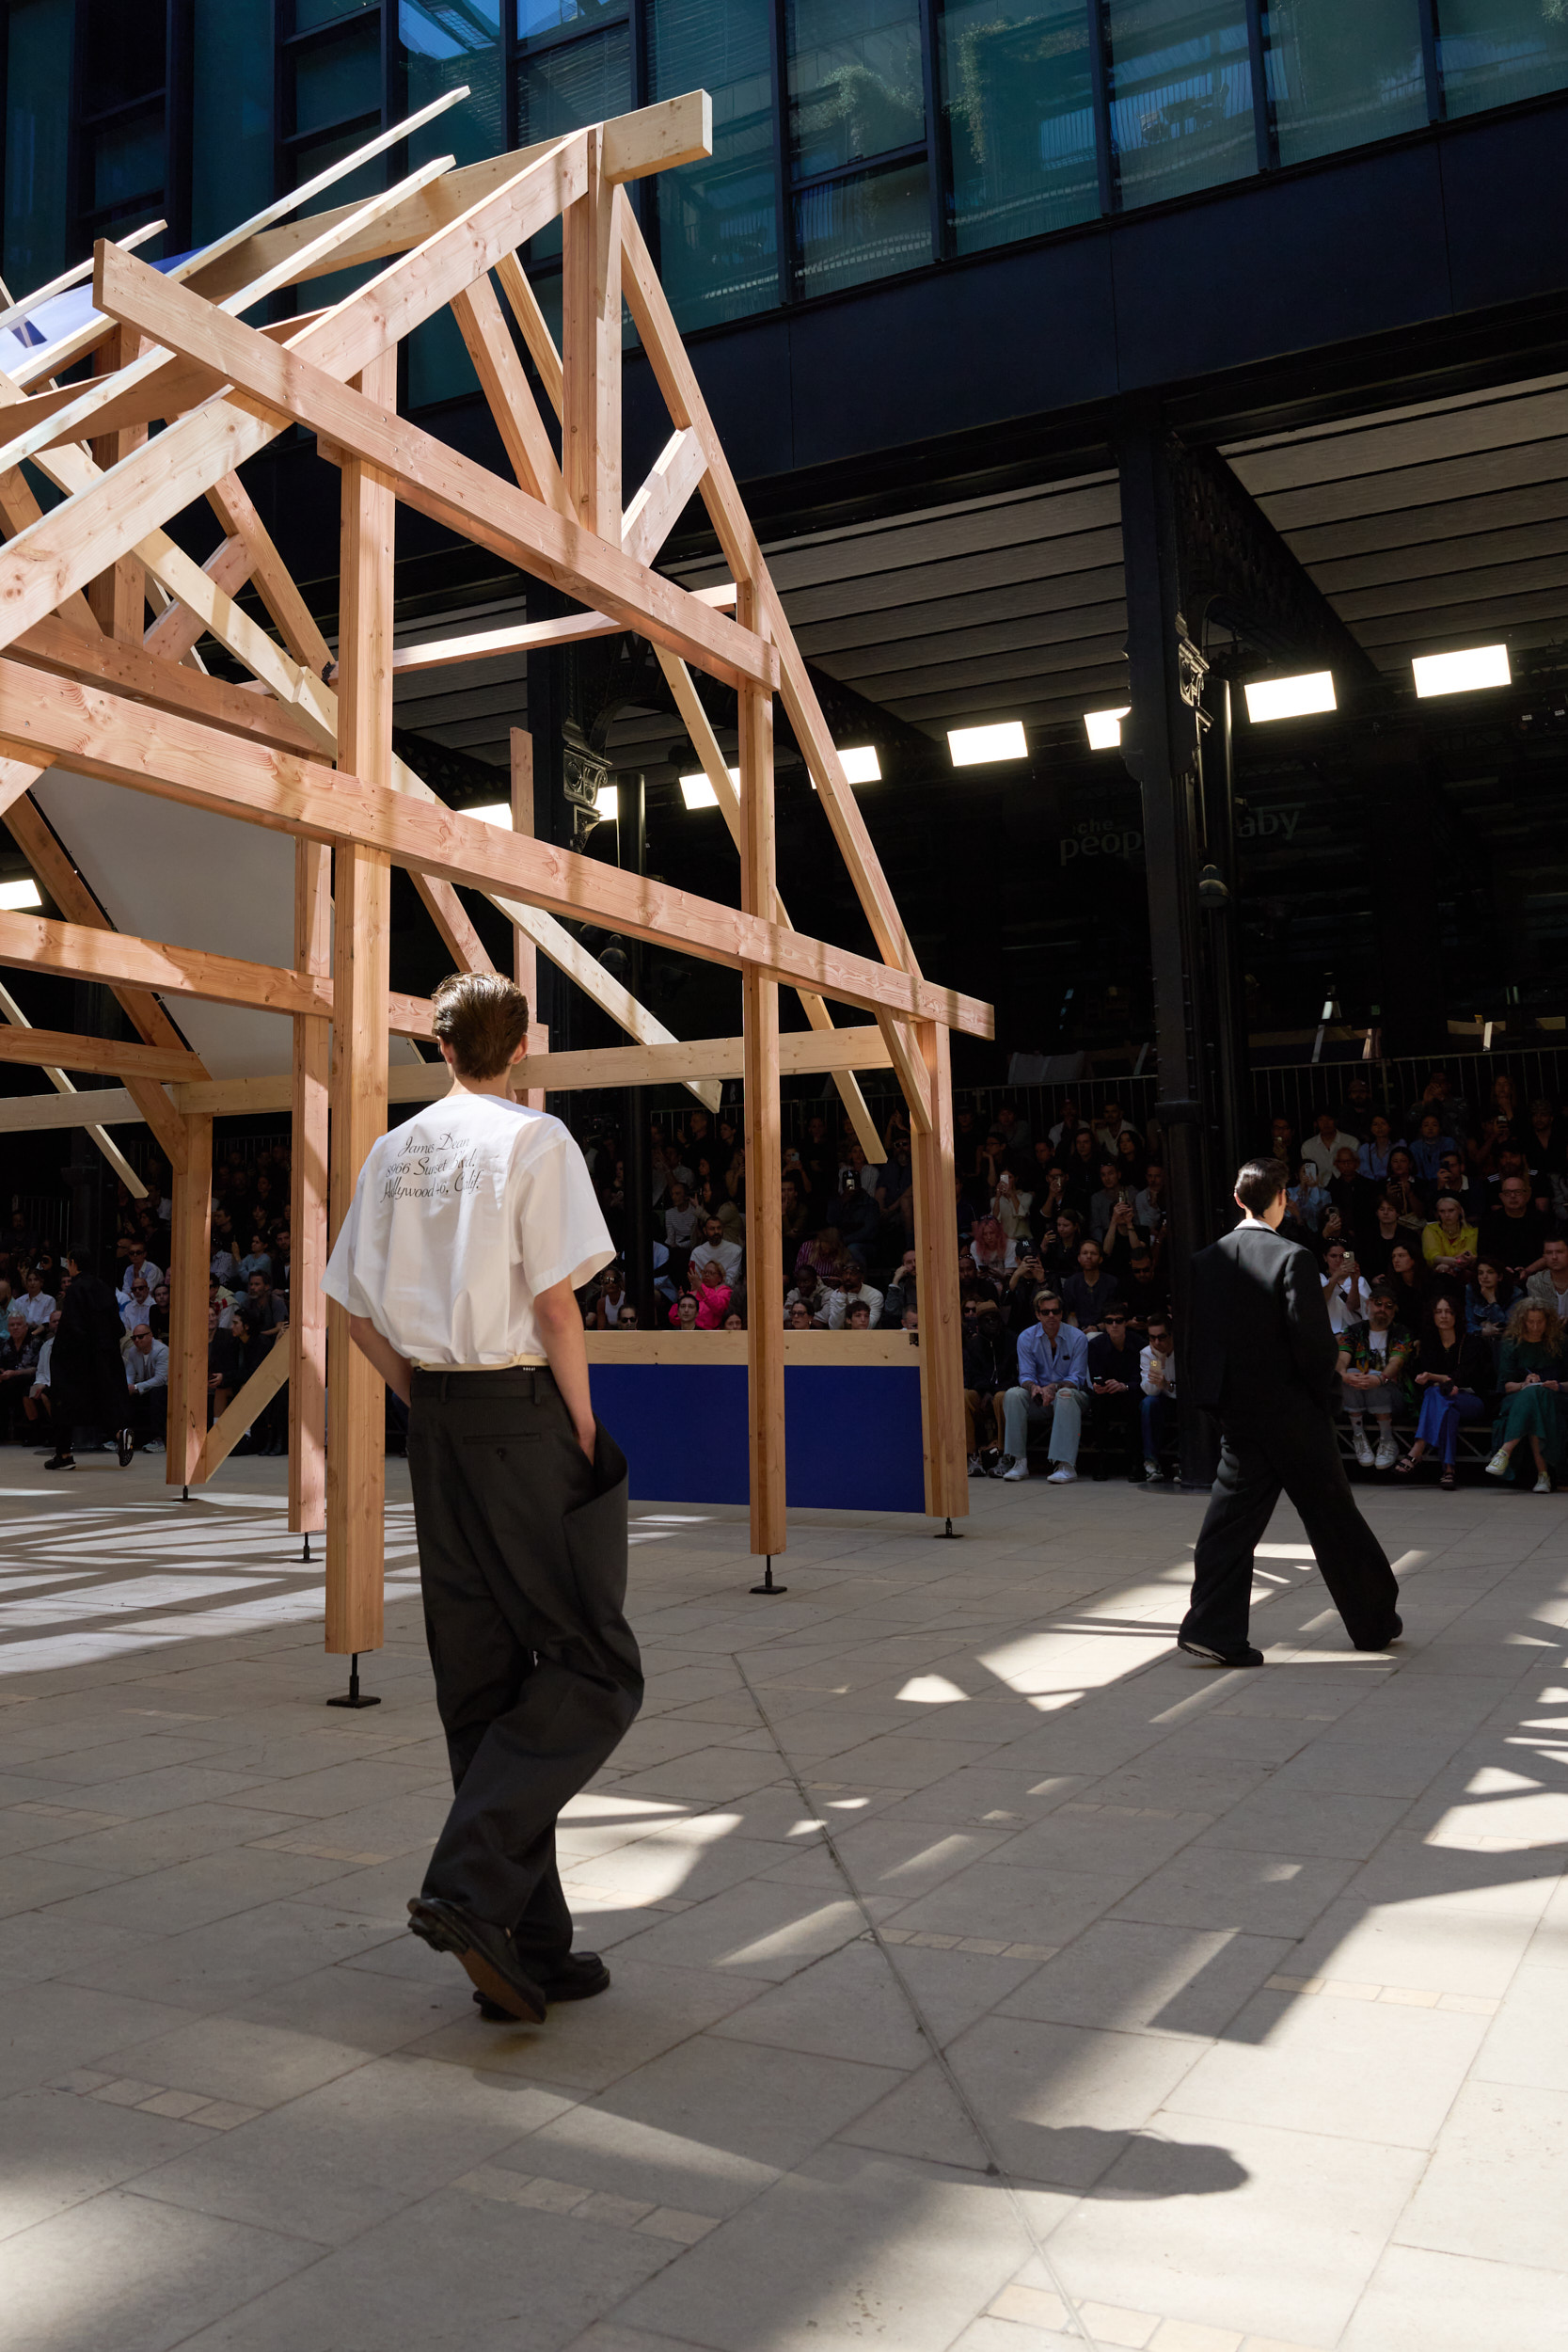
1048 1310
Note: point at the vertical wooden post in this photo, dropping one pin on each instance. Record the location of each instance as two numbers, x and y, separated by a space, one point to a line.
191 1251
355 1456
591 350
764 1138
935 1241
307 1202
119 596
525 955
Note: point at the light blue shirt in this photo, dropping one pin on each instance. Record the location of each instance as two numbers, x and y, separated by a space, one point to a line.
1374 1162
1066 1364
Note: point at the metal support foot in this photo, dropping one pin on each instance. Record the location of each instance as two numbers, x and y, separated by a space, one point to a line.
304 1555
184 1494
354 1697
768 1584
949 1534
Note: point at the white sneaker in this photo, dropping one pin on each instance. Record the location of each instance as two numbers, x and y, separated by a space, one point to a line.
1542 1485
1152 1473
1363 1451
1061 1476
975 1468
1497 1466
1387 1452
1016 1470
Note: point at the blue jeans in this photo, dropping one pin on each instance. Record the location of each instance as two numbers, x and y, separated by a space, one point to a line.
1020 1413
1159 1418
1441 1416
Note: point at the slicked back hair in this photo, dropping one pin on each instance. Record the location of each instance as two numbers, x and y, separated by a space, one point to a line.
484 1017
1260 1184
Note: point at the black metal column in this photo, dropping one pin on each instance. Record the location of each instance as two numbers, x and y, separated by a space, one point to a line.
631 831
1216 892
1160 745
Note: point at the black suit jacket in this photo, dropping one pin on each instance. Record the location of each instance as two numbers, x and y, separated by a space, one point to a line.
1261 1345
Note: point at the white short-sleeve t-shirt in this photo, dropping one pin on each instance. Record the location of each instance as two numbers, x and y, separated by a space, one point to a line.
460 1218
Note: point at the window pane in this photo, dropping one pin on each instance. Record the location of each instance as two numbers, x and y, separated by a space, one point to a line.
855 81
1492 51
309 13
338 81
1340 72
128 161
231 114
1016 95
717 232
38 72
122 56
560 90
1180 95
847 231
552 16
446 43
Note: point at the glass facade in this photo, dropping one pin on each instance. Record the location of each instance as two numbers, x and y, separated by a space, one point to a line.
853 139
1018 99
1340 72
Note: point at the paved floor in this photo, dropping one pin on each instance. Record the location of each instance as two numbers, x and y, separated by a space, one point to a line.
986 1979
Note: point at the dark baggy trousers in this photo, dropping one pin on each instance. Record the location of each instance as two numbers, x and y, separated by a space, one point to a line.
523 1566
1300 1455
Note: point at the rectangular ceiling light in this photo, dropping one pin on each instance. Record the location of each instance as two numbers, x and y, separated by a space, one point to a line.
860 764
607 801
1103 727
697 792
976 747
20 898
1461 673
492 813
1289 697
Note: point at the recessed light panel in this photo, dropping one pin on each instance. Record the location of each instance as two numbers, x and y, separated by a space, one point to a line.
977 747
1289 697
1103 727
1461 673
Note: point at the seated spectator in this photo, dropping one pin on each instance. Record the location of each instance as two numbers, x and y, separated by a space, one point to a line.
683 1314
1107 1198
613 1300
1060 1252
1121 1238
1010 1207
158 1319
825 1253
1132 1159
262 1312
36 1404
1437 1094
1451 1178
1014 1127
1017 1303
1147 1289
895 1190
1067 1126
809 1292
1549 1288
1052 1384
1327 1138
713 1201
1449 1244
1375 1243
1403 1191
136 1305
793 1219
19 1357
1373 1158
680 1223
1426 1148
1453 1377
989 1370
1345 1293
1111 1126
1307 1199
858 1218
1355 1110
900 1293
1149 1205
1514 1232
1116 1380
1158 1412
1531 1373
798 1318
1087 1294
992 1253
711 1248
1407 1278
712 1293
1048 1191
146 1376
1348 1190
859 1317
36 1303
1282 1142
257 1260
1489 1300
225 1367
222 1264
735 1318
630 1319
850 1290
139 1263
1547 1140
1372 1357
1082 1175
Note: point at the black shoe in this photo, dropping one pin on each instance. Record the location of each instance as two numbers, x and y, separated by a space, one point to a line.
1392 1635
124 1447
61 1461
576 1978
1206 1656
486 1952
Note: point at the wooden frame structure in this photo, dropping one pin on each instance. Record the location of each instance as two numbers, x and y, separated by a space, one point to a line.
88 688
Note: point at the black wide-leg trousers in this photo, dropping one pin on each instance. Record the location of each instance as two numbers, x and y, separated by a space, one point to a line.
1299 1455
523 1567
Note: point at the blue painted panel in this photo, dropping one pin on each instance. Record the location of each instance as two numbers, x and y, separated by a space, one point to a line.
852 1437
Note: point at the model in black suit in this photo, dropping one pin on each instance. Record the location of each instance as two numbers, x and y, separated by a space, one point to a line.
1263 1358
